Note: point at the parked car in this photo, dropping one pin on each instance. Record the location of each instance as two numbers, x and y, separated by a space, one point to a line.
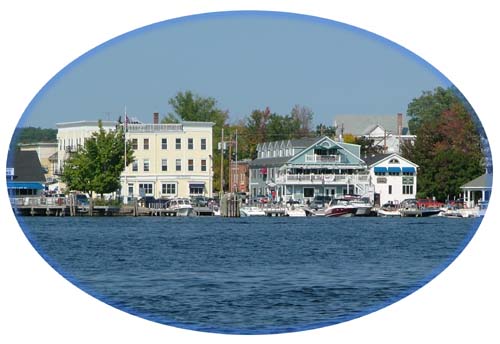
199 201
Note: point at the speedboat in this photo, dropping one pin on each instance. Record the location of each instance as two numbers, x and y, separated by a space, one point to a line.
341 208
251 211
181 206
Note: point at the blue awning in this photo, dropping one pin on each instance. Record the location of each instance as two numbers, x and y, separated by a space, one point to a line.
380 169
25 185
408 169
394 169
197 185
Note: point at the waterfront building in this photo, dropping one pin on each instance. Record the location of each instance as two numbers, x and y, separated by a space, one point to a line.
171 160
304 168
24 174
478 190
388 132
239 175
45 152
393 178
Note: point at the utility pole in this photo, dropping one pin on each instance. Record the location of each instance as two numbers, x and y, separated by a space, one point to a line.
236 161
222 163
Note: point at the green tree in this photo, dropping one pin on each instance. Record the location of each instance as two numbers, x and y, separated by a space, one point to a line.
448 146
96 167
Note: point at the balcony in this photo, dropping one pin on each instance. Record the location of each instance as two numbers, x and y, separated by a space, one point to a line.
314 158
323 179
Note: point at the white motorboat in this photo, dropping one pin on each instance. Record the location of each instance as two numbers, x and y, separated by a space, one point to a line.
295 211
389 210
182 206
251 211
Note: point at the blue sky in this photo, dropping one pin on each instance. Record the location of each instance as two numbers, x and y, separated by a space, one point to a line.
246 61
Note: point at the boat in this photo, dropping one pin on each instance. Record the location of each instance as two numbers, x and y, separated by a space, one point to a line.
418 208
295 211
314 212
181 206
340 208
251 211
389 210
362 205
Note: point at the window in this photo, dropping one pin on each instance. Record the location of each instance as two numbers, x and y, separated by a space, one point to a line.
390 189
177 143
134 166
134 144
164 165
308 192
146 144
196 189
407 189
168 189
203 144
190 143
380 173
146 188
394 161
190 165
130 189
178 164
146 165
203 165
393 173
164 143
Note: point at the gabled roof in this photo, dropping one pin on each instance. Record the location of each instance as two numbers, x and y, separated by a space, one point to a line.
482 182
378 158
320 140
359 125
27 167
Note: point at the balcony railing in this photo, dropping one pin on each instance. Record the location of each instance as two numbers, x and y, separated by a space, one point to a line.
332 179
322 158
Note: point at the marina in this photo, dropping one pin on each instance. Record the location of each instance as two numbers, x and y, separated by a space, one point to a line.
231 207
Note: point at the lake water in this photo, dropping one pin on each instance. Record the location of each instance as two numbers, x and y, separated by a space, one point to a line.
248 275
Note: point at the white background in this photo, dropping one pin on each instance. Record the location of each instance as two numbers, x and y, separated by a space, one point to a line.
39 38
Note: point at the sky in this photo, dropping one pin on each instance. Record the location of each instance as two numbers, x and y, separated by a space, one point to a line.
246 61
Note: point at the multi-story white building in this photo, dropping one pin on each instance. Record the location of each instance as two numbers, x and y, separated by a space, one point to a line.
394 178
171 160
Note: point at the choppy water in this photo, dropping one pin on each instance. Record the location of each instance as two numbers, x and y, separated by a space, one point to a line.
248 275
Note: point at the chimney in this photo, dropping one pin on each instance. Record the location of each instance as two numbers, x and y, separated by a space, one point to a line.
156 118
400 124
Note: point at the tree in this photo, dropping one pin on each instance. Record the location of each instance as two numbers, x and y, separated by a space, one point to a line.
323 130
304 116
97 166
448 146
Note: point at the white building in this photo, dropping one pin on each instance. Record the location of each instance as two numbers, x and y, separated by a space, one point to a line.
394 178
170 159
